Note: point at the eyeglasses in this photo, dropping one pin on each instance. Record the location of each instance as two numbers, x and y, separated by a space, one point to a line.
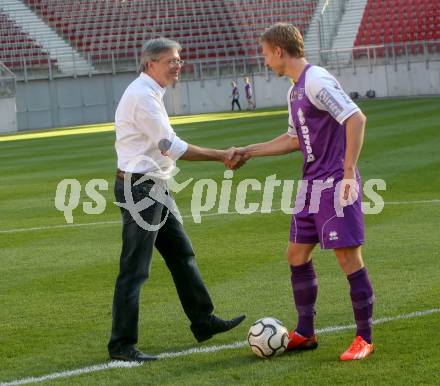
176 62
172 62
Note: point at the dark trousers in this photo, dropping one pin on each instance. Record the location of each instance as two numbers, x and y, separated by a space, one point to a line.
235 101
175 247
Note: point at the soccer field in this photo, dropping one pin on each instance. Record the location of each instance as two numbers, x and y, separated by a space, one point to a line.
57 280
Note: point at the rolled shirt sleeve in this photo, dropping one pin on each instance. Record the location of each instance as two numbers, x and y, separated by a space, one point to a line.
154 122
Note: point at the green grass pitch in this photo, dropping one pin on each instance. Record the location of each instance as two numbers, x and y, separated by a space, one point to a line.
56 282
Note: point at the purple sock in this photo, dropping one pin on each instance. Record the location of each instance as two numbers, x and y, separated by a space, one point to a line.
305 291
362 299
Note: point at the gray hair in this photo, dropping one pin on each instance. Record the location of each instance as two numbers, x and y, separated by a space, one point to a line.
152 49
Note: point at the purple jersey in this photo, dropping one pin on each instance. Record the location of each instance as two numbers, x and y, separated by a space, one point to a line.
235 93
318 108
248 90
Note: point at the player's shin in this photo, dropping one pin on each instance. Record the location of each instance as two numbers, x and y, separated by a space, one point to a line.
305 291
362 299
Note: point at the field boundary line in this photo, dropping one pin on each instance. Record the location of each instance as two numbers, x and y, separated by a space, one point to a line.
98 223
198 350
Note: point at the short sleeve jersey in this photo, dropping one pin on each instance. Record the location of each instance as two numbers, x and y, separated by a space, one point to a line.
318 108
248 90
235 93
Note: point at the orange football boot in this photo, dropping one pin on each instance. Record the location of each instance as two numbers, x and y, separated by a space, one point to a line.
359 349
299 342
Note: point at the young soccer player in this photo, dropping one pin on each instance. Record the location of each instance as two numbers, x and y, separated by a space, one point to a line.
328 127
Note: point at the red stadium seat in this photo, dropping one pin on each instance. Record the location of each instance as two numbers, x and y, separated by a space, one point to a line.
388 21
115 25
18 49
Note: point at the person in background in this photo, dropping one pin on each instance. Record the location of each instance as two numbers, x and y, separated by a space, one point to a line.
249 94
235 96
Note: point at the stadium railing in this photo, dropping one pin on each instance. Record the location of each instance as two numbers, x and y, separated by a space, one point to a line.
382 54
218 67
7 82
329 18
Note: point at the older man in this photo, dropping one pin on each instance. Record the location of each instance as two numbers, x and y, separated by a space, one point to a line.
147 148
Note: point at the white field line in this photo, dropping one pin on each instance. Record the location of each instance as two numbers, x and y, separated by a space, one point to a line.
435 201
201 350
98 223
72 373
17 230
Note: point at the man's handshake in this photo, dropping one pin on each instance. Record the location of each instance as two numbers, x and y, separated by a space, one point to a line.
235 158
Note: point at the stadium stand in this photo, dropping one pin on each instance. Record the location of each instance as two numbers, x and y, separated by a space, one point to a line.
206 29
214 33
18 50
404 24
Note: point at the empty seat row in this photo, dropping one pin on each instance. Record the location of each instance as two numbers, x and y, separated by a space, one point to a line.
98 27
399 21
18 49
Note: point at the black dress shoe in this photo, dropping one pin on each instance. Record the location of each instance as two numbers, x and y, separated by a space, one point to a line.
214 326
130 354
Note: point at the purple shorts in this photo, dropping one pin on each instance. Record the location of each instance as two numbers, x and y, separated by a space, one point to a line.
325 226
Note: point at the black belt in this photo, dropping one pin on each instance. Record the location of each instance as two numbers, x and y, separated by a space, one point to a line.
120 175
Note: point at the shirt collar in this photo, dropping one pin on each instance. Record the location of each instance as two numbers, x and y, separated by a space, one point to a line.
153 84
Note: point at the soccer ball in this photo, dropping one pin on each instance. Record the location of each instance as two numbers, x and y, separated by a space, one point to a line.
268 337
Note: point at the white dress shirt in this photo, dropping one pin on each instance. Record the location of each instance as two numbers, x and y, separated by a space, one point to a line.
141 122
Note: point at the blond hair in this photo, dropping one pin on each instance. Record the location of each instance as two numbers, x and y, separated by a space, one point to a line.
287 37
